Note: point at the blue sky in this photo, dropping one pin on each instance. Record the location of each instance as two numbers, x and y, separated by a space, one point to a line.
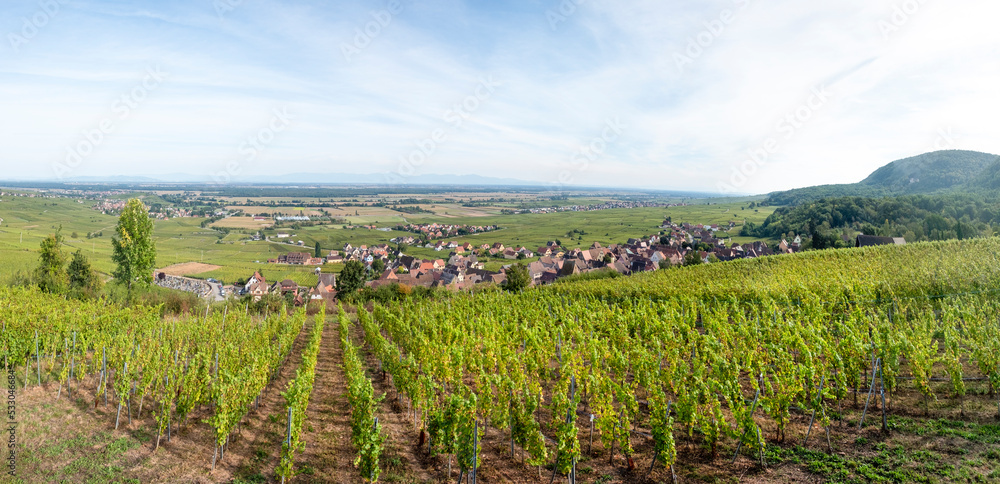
729 95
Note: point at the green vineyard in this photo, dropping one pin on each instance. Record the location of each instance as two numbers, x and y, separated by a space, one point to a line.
643 371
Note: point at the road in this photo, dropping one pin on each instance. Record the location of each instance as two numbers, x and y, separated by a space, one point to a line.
216 291
267 238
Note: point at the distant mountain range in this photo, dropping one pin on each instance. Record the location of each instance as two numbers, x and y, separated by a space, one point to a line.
935 172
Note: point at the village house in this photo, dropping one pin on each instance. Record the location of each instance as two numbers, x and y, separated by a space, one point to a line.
297 258
326 287
285 286
256 287
863 240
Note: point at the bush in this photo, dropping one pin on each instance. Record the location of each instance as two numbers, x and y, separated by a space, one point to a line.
171 302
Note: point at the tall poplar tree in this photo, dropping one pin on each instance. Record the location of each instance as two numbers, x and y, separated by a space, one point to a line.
134 250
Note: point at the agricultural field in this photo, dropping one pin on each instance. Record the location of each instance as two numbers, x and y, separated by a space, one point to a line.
857 365
224 243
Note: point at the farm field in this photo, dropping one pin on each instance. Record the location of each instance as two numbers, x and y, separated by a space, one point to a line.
763 374
27 220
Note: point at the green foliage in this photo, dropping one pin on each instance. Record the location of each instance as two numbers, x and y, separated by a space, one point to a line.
564 420
662 427
350 279
82 276
518 278
590 276
936 172
133 246
50 275
378 267
915 217
366 431
297 397
931 171
525 429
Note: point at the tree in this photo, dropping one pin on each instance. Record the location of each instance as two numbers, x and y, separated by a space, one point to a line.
517 278
133 247
378 267
351 278
318 250
50 275
81 275
692 258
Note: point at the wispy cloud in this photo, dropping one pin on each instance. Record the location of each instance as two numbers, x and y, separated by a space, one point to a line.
937 68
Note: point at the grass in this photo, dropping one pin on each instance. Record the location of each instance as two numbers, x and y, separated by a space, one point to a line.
917 451
979 433
78 456
886 465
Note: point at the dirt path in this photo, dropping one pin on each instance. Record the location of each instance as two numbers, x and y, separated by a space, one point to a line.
328 455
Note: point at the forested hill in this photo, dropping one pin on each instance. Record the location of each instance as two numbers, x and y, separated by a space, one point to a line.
833 222
936 172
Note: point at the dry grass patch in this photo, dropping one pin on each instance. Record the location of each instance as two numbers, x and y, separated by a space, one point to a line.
188 268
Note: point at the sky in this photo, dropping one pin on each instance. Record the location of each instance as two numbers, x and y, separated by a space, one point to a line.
732 96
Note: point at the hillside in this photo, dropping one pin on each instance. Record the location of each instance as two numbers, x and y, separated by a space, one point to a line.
933 172
928 269
941 216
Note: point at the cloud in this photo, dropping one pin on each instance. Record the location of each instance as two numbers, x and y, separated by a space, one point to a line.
893 89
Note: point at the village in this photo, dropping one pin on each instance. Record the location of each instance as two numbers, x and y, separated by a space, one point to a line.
464 266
